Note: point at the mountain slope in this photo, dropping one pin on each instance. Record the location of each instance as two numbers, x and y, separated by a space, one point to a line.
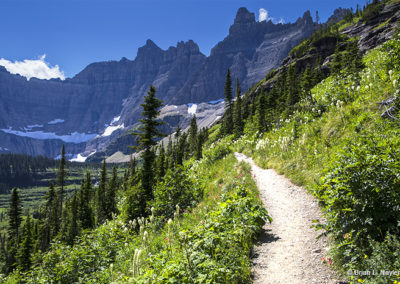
104 98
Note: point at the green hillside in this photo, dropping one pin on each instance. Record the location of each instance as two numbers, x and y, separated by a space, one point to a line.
328 119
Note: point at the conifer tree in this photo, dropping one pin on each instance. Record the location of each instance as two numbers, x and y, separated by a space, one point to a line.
193 135
178 132
181 149
73 229
199 145
290 87
260 113
245 107
61 177
51 225
112 187
336 64
14 222
307 83
161 161
85 210
228 115
169 163
132 166
133 172
148 133
14 215
101 195
25 251
237 114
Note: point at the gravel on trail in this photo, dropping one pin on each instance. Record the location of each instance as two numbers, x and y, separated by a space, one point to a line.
288 250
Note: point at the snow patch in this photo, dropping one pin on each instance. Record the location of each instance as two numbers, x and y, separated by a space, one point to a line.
29 127
218 117
115 119
192 108
34 125
110 129
81 159
3 149
56 121
74 137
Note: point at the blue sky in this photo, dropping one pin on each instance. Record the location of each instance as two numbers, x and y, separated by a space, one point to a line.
73 34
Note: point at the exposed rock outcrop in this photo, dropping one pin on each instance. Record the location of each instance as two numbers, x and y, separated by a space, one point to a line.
89 103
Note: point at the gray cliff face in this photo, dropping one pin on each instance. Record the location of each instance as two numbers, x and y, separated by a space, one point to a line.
250 50
50 112
377 29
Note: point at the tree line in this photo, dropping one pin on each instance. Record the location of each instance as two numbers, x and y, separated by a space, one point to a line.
64 217
21 170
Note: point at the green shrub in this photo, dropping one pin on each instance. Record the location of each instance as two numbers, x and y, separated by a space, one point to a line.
175 189
218 150
361 192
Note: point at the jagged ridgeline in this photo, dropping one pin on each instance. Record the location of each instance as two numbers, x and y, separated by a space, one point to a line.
190 213
92 112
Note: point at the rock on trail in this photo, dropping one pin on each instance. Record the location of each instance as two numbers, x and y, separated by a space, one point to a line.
288 250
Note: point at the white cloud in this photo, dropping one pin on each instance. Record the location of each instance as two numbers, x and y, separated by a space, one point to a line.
37 68
263 15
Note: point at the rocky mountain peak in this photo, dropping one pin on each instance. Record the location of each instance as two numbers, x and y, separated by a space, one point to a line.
338 15
306 19
188 47
150 48
243 16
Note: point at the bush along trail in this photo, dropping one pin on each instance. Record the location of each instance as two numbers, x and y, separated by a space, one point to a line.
289 250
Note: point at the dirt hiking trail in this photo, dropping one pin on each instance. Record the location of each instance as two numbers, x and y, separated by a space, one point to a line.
288 250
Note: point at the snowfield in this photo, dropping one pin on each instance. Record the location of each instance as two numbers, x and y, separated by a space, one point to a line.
74 137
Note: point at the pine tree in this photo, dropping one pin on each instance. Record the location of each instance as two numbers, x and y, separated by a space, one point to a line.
161 161
355 57
73 229
25 251
14 215
307 84
148 133
101 196
260 113
14 222
245 107
291 87
50 227
199 145
237 114
133 173
228 115
178 132
181 149
112 187
336 64
193 135
61 177
85 210
169 163
132 166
